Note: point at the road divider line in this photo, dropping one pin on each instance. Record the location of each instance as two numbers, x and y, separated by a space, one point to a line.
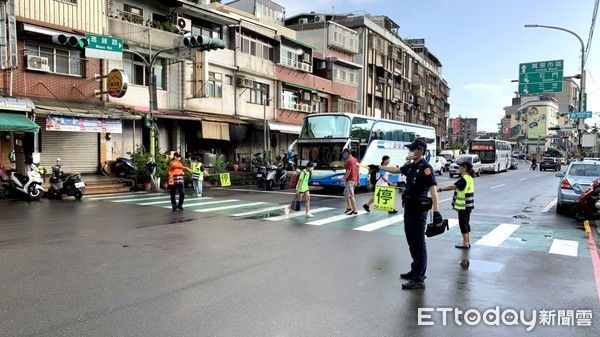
497 235
444 200
264 210
498 186
334 219
228 207
296 214
207 203
564 247
522 179
550 205
380 224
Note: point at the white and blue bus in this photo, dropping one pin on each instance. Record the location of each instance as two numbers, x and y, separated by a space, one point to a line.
493 153
325 135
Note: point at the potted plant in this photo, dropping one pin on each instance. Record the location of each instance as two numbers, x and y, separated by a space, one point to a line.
142 175
162 169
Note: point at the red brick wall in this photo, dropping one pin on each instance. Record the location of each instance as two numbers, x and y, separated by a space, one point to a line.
28 83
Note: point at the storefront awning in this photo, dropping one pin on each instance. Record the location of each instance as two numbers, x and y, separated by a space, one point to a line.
285 128
17 123
298 86
52 107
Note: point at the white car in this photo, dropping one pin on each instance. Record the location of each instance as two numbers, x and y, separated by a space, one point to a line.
440 165
472 158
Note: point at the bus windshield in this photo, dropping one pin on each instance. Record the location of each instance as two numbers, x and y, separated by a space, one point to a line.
326 126
323 155
485 149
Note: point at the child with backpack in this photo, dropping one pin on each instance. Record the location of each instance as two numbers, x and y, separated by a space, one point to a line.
381 178
302 189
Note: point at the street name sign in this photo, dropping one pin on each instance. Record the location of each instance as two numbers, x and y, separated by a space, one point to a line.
580 114
540 77
104 47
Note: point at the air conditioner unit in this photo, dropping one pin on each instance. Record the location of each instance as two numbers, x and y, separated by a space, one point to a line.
306 58
184 25
305 67
307 96
37 63
244 82
322 65
319 18
302 21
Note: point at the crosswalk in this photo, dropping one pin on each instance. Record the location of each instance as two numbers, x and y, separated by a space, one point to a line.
568 242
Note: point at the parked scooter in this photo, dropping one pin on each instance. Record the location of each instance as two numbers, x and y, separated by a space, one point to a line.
29 185
289 160
70 185
124 167
587 205
276 175
261 175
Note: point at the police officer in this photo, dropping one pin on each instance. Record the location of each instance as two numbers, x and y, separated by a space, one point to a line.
419 180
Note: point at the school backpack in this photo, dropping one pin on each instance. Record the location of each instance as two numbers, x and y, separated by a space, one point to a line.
373 177
294 180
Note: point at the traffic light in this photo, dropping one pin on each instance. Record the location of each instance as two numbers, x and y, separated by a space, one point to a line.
70 40
148 120
554 128
203 42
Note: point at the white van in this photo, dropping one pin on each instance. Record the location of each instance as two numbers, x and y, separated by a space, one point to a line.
472 158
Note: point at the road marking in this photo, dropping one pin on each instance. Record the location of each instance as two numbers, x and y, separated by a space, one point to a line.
497 235
522 179
550 205
115 196
595 255
445 200
144 198
334 219
564 247
206 203
380 224
228 207
296 214
276 192
491 188
163 201
264 210
452 222
539 175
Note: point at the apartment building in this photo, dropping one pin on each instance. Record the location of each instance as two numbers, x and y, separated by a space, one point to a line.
461 130
396 80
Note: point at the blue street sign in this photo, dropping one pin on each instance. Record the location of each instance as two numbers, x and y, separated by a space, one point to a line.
580 114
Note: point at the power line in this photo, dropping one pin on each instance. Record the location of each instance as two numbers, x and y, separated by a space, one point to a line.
589 43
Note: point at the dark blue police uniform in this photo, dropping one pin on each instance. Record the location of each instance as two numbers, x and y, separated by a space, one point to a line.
419 178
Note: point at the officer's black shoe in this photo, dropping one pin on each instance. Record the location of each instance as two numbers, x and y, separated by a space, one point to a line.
174 209
412 284
180 208
366 207
394 211
407 276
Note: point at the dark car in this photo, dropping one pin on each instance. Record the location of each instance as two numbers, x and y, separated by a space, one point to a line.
550 163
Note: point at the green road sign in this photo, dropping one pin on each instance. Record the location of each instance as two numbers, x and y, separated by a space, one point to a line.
104 47
540 77
580 114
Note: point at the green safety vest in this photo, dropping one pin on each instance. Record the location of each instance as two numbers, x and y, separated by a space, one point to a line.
197 171
464 199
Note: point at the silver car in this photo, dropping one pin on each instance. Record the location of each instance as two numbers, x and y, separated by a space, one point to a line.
576 179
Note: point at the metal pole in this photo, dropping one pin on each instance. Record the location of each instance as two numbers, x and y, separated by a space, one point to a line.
264 126
582 89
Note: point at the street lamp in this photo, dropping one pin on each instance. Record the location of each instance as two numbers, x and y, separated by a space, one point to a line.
582 75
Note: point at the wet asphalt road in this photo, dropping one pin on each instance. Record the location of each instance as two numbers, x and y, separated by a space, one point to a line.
107 268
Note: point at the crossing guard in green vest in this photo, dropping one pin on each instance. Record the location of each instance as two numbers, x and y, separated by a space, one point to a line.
463 201
198 173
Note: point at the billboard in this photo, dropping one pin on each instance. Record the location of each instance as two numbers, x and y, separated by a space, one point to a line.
536 121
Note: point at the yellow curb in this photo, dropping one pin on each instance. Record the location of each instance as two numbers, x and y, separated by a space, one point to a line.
586 224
